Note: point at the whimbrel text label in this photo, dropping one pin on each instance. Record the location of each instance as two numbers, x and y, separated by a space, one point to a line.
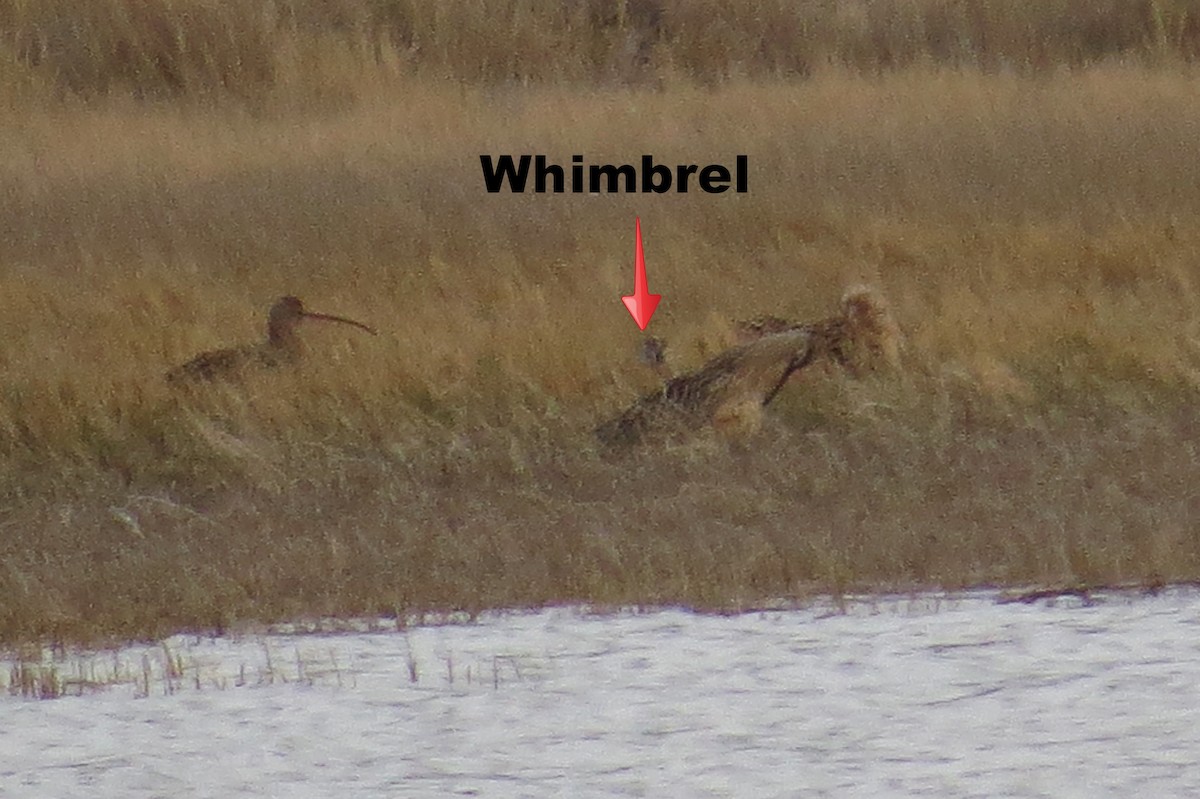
647 177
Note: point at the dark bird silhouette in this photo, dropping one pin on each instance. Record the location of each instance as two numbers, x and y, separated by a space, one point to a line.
653 353
282 346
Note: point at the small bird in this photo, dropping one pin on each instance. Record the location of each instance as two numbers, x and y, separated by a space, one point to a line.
282 346
653 353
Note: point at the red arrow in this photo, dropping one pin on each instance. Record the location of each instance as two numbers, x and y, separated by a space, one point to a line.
642 304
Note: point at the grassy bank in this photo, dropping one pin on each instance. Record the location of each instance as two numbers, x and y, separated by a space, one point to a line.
1036 234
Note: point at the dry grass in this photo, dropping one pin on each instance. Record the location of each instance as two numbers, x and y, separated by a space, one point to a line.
1035 233
323 49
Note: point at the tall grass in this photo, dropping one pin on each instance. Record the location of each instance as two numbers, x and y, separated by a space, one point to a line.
322 48
1034 229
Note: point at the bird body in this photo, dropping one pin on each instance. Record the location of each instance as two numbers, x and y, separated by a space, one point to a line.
653 353
282 346
229 362
729 392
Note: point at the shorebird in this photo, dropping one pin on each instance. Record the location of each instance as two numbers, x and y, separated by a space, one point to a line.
653 353
730 391
282 346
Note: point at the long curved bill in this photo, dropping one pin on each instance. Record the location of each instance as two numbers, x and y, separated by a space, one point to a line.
331 318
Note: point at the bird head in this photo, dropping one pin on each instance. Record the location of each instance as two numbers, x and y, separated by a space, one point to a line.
287 312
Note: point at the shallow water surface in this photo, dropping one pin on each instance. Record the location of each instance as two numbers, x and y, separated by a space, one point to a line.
935 696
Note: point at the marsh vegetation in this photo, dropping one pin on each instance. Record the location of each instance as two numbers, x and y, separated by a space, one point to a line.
1021 184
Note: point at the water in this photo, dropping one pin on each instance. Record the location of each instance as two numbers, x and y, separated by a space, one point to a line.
929 696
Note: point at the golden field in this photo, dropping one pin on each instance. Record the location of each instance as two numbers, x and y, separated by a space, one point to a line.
1031 218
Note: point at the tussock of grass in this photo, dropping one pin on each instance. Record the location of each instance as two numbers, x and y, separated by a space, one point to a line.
1036 236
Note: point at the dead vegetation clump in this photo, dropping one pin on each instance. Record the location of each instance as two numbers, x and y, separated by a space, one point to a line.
729 392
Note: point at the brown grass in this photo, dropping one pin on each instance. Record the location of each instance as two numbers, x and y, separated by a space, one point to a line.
322 49
1035 232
